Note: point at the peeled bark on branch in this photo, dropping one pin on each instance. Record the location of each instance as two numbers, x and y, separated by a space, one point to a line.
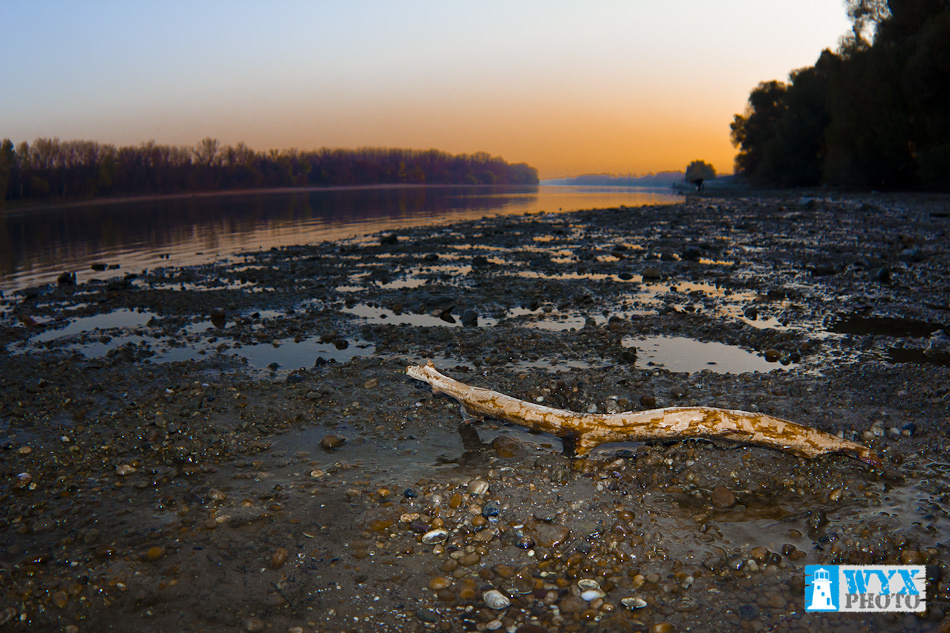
592 429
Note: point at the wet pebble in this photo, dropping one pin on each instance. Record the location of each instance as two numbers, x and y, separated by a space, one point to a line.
60 599
772 355
154 553
439 582
278 558
722 498
496 599
252 625
551 534
592 594
330 442
633 602
469 318
647 402
505 446
23 480
434 537
478 487
428 615
571 604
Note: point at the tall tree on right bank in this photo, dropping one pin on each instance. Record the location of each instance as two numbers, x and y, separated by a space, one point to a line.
872 115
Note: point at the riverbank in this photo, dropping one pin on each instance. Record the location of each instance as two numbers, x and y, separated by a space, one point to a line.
237 448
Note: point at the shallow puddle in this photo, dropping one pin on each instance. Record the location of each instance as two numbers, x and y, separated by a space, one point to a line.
122 318
681 354
290 355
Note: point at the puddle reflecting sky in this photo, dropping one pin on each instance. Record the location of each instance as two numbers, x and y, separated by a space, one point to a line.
689 355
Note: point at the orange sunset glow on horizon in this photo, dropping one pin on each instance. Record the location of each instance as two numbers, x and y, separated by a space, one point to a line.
571 88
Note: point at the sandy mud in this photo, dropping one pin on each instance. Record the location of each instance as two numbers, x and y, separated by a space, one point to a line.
236 447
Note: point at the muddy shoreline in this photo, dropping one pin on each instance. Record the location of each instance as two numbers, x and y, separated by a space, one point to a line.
238 448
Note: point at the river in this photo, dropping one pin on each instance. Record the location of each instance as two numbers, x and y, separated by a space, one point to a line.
36 246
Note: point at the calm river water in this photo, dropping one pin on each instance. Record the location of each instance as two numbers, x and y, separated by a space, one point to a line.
36 246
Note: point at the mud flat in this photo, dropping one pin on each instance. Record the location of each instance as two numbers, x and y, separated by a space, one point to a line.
236 447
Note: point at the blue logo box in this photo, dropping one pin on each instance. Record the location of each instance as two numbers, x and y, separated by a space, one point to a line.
865 588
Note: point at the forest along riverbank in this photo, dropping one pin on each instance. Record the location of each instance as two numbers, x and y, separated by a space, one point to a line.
238 448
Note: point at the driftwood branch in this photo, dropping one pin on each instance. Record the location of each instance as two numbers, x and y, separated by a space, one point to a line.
592 429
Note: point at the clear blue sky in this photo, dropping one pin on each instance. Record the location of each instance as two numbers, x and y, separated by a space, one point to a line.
570 87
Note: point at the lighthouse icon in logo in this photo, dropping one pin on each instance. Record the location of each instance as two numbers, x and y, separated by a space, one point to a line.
821 596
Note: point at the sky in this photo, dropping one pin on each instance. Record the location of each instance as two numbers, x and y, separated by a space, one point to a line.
570 87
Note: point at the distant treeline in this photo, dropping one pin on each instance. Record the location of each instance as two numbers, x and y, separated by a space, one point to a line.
660 179
876 114
50 168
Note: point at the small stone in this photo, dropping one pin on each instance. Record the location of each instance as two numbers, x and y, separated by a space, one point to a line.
551 535
760 553
24 450
478 487
571 604
216 495
439 582
912 557
252 625
219 317
772 355
633 602
428 615
506 446
777 602
493 625
592 594
722 498
330 442
372 383
662 627
22 481
60 599
434 537
647 402
469 318
278 558
652 274
154 553
496 600
123 470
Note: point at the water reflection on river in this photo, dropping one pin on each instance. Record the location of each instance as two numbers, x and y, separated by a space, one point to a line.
36 246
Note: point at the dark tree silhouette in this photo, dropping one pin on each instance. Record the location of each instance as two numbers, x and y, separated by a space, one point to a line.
75 169
872 115
698 172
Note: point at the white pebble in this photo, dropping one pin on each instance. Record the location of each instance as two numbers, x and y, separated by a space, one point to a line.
496 599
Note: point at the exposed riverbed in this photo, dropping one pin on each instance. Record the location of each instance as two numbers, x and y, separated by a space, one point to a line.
236 446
